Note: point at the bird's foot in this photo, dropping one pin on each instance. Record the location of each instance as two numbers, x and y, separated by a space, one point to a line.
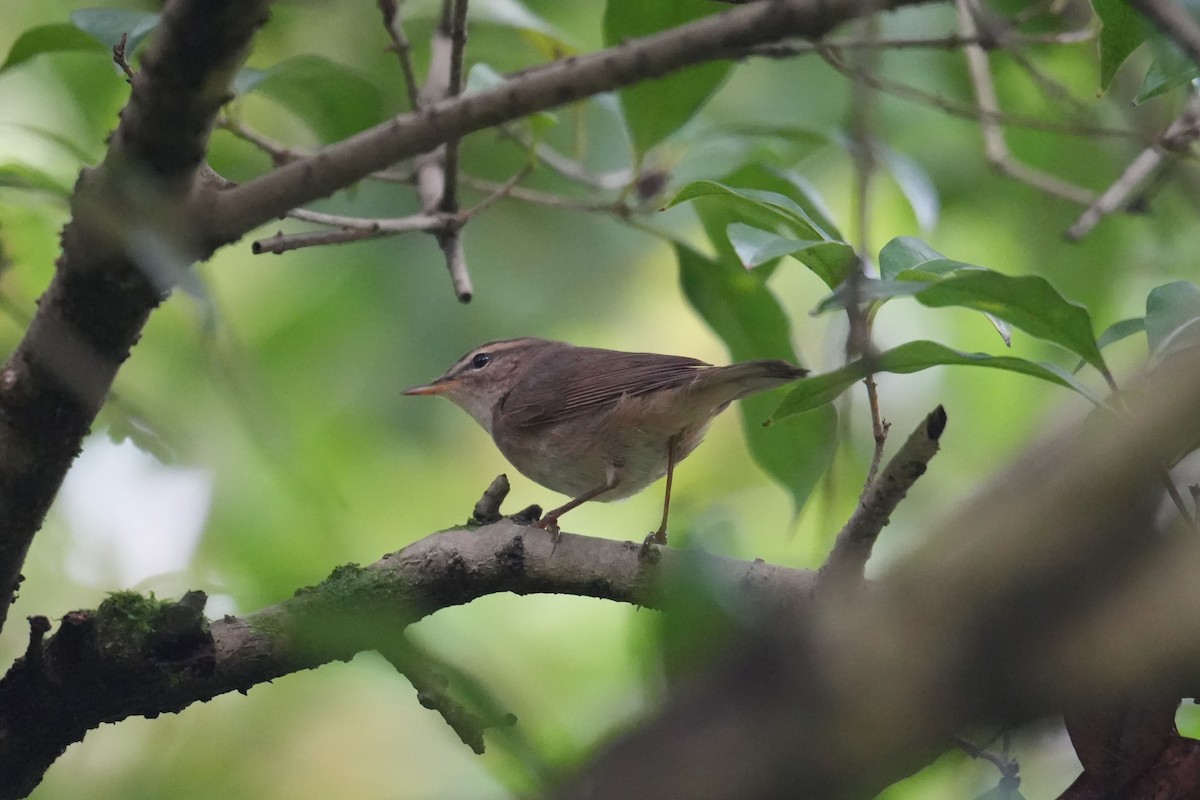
549 523
649 549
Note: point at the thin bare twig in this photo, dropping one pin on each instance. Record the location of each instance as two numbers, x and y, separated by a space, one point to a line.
414 222
863 121
907 92
549 199
1179 134
119 58
457 31
437 170
279 152
283 242
568 167
498 192
949 42
994 144
356 229
879 431
402 48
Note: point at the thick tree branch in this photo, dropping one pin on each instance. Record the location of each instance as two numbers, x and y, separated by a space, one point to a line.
130 233
128 659
339 165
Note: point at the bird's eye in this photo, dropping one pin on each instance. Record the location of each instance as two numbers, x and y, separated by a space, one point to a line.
481 360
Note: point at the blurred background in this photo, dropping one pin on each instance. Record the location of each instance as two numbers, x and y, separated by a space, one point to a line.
257 437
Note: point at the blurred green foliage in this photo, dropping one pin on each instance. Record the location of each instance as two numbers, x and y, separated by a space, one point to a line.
278 382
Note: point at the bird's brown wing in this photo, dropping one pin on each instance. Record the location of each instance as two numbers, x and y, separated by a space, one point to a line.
593 381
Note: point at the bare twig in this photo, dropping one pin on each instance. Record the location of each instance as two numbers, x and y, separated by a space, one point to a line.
863 110
994 145
1179 134
498 192
902 90
949 42
402 48
850 552
356 229
267 197
568 167
284 242
437 170
119 57
879 431
456 29
279 152
549 199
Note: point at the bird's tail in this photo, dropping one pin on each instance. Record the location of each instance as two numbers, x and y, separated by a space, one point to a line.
750 377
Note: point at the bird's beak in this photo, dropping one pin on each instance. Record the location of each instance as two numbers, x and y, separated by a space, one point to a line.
437 387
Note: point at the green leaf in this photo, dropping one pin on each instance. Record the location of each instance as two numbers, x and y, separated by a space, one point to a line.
1027 302
1169 70
333 100
871 290
80 154
915 184
741 309
910 258
1115 333
108 25
49 39
22 176
655 109
1122 30
1121 330
769 211
819 390
755 246
1172 311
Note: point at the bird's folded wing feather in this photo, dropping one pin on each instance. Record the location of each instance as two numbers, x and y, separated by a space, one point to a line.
593 385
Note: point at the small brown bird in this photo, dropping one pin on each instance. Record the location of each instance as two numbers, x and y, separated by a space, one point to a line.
596 424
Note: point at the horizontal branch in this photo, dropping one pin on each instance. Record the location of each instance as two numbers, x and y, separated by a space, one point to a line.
339 165
100 667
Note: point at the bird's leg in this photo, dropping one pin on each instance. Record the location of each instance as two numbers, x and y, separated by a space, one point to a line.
550 520
660 536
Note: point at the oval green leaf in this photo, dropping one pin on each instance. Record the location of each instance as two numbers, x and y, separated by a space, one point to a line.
49 39
1027 302
656 109
1172 311
819 390
740 308
333 100
108 25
